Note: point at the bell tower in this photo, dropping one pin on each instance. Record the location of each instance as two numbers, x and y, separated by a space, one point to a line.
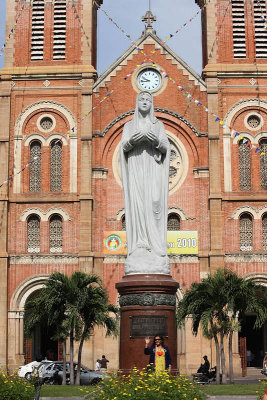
45 151
234 41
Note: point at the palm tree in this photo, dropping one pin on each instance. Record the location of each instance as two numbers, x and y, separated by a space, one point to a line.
215 303
205 303
243 296
95 312
72 306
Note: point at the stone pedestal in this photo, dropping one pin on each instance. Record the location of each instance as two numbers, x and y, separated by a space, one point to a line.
147 309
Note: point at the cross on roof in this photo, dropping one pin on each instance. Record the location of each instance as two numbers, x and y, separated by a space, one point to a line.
149 18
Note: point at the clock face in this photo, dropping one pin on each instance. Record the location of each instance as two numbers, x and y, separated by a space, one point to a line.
149 79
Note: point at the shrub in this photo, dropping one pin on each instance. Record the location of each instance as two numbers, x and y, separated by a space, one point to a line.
143 385
264 387
12 387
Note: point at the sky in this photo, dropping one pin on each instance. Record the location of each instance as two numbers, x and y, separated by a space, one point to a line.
171 14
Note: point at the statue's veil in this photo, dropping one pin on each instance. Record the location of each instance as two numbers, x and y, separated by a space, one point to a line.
151 114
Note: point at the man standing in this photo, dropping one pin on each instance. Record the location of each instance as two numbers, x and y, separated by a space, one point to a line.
103 364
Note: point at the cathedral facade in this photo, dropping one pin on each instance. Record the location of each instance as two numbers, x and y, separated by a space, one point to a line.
62 205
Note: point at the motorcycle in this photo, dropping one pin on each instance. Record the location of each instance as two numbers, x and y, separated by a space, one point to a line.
264 366
204 378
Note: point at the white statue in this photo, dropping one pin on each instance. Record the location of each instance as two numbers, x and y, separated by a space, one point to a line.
145 158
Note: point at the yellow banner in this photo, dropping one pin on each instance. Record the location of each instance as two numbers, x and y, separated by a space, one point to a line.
182 242
179 242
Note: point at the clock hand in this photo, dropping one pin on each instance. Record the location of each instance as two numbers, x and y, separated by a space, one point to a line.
145 80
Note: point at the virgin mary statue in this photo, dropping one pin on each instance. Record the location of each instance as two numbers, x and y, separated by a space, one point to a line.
145 158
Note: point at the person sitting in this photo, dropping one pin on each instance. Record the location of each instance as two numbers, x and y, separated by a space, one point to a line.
205 367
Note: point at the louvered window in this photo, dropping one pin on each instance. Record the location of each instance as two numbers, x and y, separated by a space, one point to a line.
173 222
123 223
37 40
263 163
35 167
260 30
59 44
55 234
56 166
33 234
244 167
246 232
239 30
264 232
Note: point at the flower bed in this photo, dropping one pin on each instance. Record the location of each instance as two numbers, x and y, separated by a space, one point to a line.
12 387
142 385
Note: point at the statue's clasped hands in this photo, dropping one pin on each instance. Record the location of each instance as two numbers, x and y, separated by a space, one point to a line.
137 137
153 138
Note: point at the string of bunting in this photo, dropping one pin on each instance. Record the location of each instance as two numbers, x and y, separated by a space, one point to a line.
206 2
263 14
171 35
12 30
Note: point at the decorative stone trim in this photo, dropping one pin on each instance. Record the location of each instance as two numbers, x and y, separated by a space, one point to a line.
174 258
45 215
157 109
45 141
258 277
245 209
100 173
246 258
44 259
147 299
183 259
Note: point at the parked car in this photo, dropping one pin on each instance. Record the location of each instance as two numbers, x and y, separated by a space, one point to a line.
25 371
53 374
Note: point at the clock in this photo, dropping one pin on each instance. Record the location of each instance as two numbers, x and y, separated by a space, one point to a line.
149 79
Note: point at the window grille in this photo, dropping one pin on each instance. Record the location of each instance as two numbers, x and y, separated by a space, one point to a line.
56 166
59 45
253 121
37 39
55 234
46 123
264 232
246 232
123 223
33 234
239 29
173 222
260 30
35 167
244 167
263 164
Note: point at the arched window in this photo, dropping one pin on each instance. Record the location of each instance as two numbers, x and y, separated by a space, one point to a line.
264 232
35 167
173 222
123 223
33 234
263 163
55 234
246 232
244 167
56 166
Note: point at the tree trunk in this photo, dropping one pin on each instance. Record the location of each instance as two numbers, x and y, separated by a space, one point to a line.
71 358
64 362
218 360
222 359
230 349
77 380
